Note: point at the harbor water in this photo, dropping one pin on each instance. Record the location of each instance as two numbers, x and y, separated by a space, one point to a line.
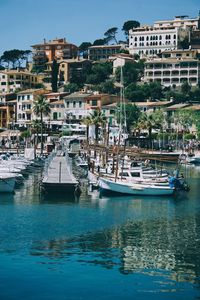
99 248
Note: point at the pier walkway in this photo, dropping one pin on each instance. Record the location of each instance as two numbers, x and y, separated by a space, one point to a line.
59 176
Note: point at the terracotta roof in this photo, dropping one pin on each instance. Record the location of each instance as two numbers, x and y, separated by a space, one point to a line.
177 106
10 72
105 46
111 105
194 107
152 104
76 95
57 102
33 91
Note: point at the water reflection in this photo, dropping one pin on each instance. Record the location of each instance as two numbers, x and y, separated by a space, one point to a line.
162 245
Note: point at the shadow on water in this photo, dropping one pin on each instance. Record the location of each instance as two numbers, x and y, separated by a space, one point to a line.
7 198
56 198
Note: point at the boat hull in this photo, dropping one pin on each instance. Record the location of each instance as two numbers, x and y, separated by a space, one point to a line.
133 189
7 185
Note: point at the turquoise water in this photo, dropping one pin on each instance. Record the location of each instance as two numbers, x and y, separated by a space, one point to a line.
99 248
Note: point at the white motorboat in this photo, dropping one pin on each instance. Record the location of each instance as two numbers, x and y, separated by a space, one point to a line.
143 189
80 162
194 159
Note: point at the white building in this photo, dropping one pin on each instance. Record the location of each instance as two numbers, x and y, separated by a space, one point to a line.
151 41
57 116
76 107
10 80
163 35
174 68
180 21
119 60
25 101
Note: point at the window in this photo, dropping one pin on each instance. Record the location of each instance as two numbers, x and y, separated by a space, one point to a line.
74 103
94 103
80 104
67 103
125 174
28 97
135 174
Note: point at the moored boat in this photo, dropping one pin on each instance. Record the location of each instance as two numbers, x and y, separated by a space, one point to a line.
7 182
119 186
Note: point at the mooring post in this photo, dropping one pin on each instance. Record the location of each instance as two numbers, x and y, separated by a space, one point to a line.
60 172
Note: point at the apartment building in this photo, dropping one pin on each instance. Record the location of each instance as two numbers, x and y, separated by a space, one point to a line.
25 100
58 49
76 107
7 115
11 80
163 35
173 68
68 68
79 105
103 52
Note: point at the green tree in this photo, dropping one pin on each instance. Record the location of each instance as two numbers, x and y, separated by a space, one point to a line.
184 119
110 34
87 121
130 73
185 88
155 91
83 49
129 25
133 114
41 108
97 119
26 135
35 128
99 73
54 76
15 57
150 121
71 88
100 42
134 93
107 87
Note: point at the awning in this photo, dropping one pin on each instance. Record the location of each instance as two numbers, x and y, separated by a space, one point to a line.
10 133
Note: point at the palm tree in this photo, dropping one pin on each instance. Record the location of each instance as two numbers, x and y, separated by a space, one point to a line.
36 127
87 121
41 108
150 121
97 119
26 136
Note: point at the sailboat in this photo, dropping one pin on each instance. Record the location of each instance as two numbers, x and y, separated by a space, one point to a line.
119 184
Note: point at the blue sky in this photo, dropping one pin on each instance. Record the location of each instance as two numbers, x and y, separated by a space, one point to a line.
27 22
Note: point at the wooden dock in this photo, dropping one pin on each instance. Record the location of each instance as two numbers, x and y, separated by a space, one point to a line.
59 177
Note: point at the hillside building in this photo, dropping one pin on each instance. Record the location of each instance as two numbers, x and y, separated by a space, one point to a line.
173 68
58 49
163 35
